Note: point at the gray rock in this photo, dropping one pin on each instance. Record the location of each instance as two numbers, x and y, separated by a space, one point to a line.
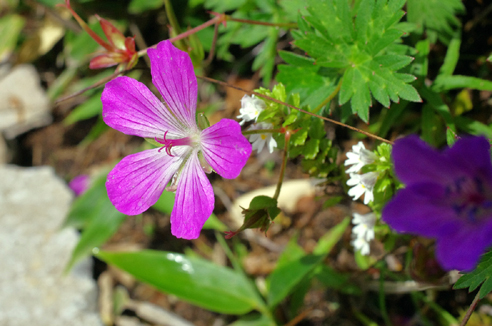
23 103
34 252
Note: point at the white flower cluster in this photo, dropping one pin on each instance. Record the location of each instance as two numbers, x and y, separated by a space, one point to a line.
363 232
362 184
251 107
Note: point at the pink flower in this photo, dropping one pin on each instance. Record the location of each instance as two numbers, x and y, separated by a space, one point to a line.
187 153
79 184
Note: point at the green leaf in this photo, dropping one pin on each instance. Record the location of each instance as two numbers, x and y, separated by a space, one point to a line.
90 108
254 320
445 83
473 127
436 16
365 52
435 101
311 148
100 219
192 279
451 59
289 274
482 274
337 281
139 6
10 28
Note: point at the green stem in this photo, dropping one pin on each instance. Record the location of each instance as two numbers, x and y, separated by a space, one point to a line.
330 97
288 133
261 131
382 299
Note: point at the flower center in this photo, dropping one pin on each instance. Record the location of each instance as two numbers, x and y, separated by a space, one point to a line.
170 143
469 198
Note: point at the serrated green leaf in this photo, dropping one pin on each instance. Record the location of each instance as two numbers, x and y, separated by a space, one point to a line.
366 52
481 274
437 16
296 59
311 148
192 279
299 138
393 61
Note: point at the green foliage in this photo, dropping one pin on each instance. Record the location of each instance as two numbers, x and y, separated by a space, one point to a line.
359 44
192 279
10 28
294 266
265 38
90 108
481 275
139 6
99 219
436 17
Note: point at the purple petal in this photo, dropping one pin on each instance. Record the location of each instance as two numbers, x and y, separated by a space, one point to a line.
225 148
194 201
173 75
80 184
130 107
415 161
137 181
462 249
421 209
473 155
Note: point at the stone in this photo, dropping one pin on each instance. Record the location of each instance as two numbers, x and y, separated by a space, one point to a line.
34 252
24 105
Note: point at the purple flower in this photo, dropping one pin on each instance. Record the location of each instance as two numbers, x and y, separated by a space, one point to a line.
79 184
448 196
187 152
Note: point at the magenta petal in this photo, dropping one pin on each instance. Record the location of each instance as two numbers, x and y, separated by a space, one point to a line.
462 250
420 209
415 161
225 148
173 75
137 181
130 107
194 201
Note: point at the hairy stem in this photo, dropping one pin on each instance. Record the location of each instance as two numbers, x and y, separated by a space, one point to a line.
470 309
255 22
368 134
261 131
216 19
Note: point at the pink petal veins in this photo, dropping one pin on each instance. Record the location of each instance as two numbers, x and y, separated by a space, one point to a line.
173 75
137 181
225 148
130 107
194 201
